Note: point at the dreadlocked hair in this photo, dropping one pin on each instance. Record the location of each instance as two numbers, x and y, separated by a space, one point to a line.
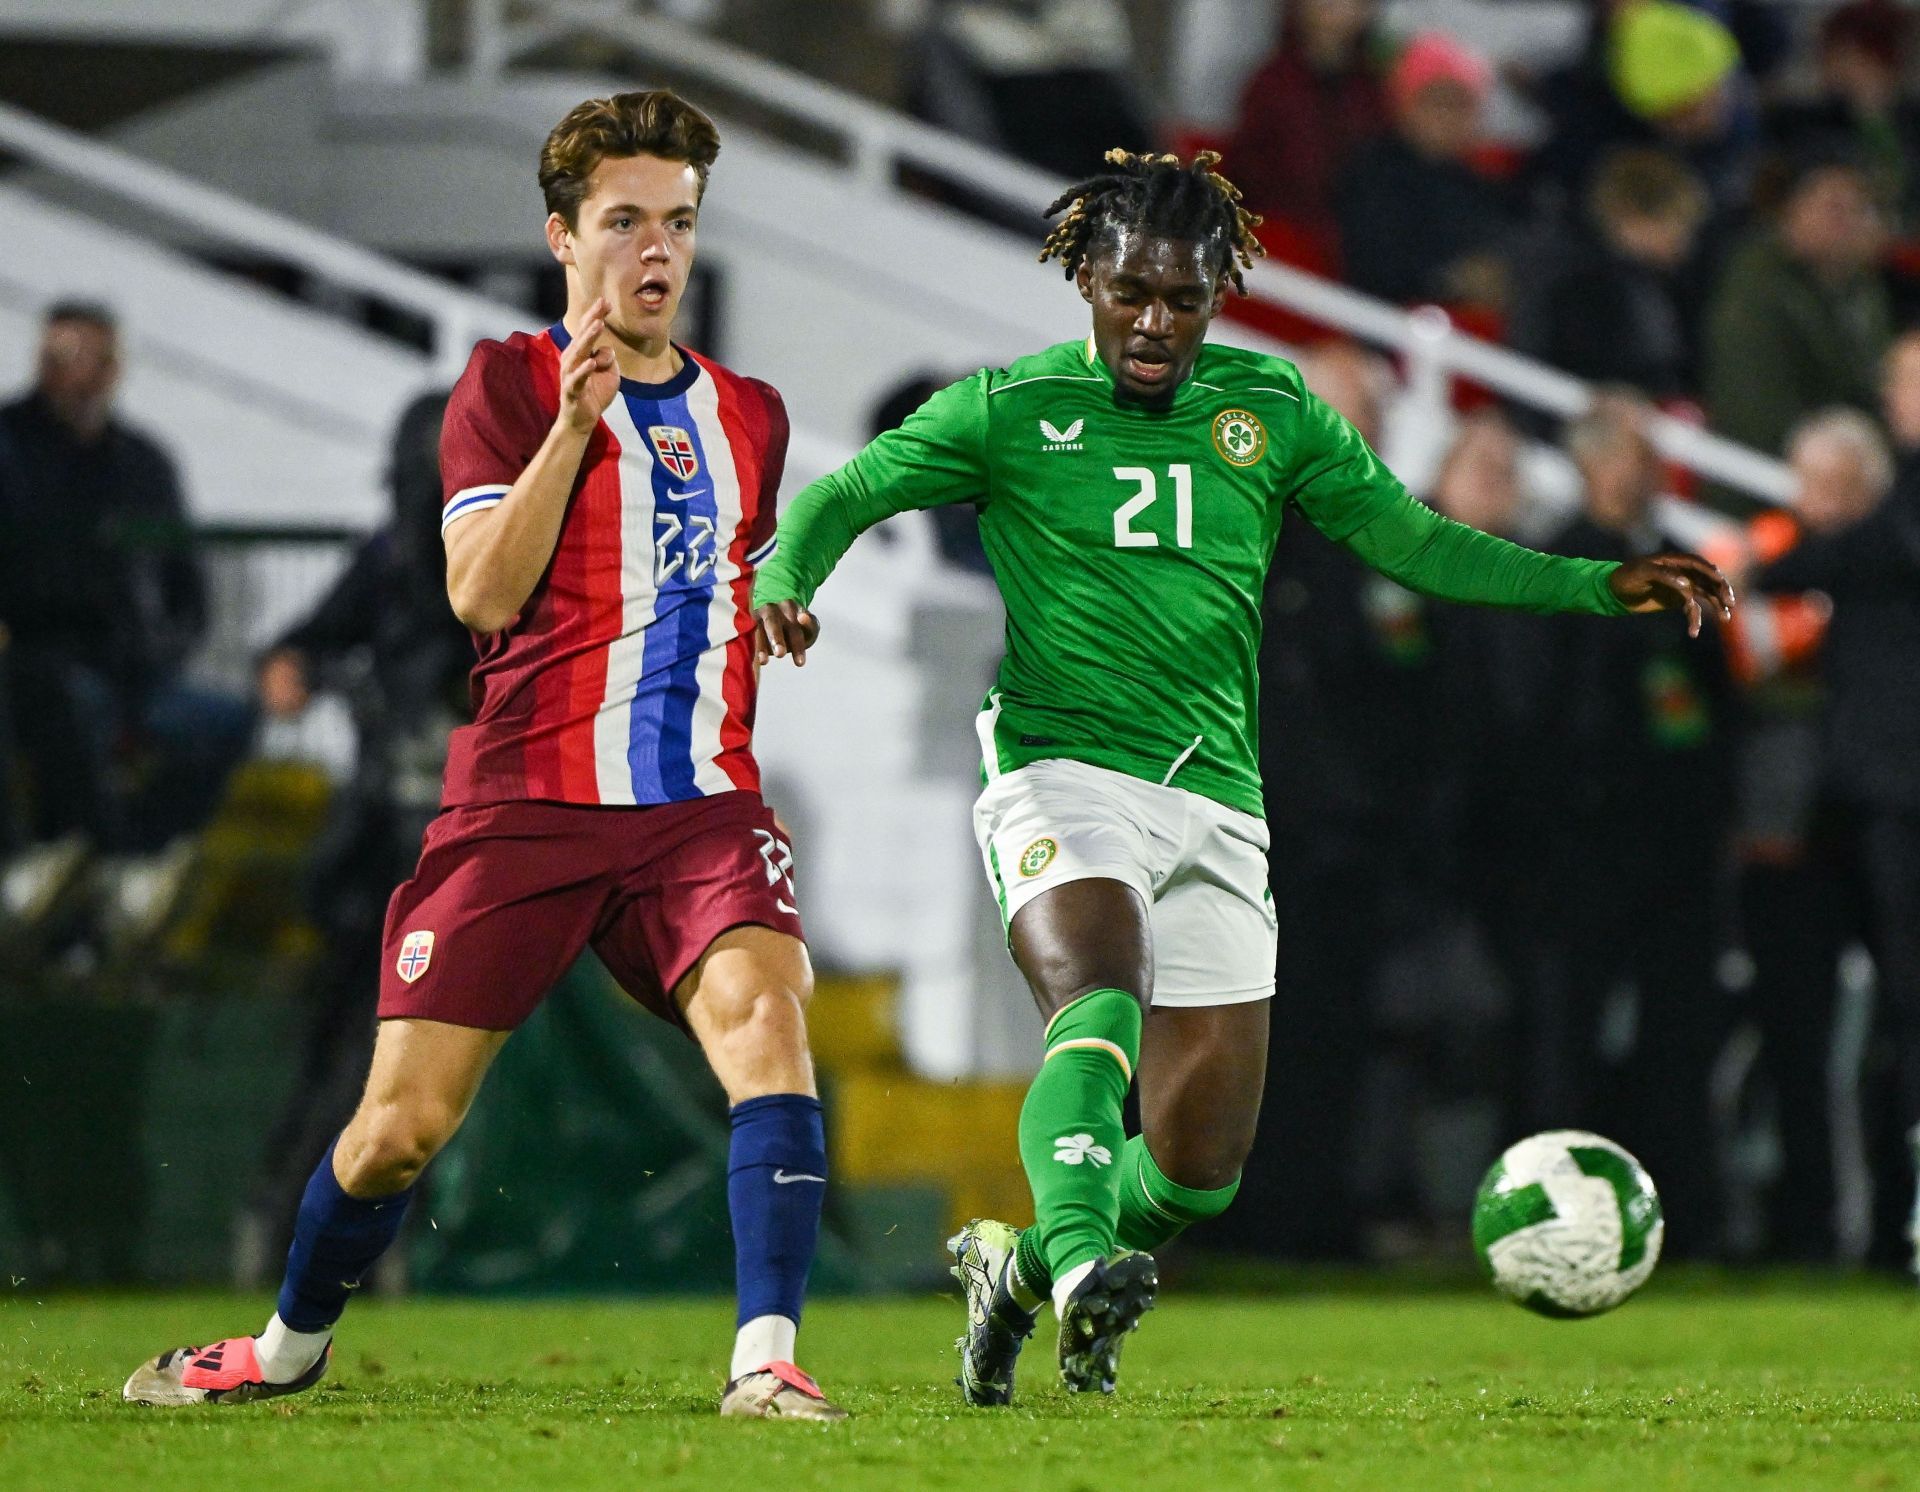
1159 194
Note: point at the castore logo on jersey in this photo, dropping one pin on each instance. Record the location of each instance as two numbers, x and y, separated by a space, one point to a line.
1062 440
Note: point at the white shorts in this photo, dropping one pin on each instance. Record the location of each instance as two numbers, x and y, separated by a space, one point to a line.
1200 866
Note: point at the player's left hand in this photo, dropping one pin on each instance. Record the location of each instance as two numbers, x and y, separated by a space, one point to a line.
1674 582
781 628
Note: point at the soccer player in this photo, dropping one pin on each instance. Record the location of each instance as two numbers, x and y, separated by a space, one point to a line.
608 495
1130 489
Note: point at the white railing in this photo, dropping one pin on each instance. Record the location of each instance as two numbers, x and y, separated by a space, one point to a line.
879 142
456 318
362 38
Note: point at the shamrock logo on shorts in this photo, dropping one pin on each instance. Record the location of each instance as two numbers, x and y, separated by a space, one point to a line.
1037 857
1073 1150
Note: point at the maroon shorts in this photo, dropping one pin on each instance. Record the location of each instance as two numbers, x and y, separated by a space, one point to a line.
506 895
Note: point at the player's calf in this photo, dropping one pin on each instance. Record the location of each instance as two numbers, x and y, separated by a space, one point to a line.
744 1002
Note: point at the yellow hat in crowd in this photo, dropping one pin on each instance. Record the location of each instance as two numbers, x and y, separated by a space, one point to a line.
1665 56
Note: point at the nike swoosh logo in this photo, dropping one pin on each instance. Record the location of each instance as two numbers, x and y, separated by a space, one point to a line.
781 1178
680 497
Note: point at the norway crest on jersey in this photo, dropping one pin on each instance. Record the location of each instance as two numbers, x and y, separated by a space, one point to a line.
675 449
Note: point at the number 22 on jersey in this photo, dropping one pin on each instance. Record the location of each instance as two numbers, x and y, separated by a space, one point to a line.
1147 492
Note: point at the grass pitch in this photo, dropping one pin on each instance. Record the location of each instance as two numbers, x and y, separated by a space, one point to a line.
1698 1384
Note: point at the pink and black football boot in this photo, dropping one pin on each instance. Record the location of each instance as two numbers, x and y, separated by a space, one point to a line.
777 1390
226 1373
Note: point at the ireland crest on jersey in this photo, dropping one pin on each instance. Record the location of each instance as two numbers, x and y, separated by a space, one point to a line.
1239 436
675 449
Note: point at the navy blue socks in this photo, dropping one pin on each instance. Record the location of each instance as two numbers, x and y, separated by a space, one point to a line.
336 1240
776 1183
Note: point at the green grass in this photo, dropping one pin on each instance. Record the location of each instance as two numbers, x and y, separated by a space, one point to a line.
1699 1384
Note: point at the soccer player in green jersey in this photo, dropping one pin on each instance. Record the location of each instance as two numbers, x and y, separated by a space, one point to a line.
1130 489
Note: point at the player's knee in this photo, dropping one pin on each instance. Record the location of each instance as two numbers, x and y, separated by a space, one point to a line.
386 1149
761 1020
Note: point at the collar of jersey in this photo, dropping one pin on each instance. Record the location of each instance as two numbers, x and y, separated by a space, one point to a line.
1186 384
678 384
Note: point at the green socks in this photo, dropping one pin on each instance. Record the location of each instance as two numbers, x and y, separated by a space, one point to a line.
1071 1135
1153 1209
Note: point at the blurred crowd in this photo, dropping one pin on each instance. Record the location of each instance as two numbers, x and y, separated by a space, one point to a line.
114 759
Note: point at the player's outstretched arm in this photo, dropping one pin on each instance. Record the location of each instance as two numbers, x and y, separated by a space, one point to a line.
1349 495
496 556
1674 582
1410 543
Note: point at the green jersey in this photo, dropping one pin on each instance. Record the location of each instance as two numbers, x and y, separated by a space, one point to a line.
1131 546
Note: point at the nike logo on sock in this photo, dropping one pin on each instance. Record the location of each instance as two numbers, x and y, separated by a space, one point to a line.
781 1178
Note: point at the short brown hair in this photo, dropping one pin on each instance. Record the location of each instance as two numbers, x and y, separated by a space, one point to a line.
1644 183
655 122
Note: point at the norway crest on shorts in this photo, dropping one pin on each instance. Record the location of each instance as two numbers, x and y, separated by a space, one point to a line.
416 952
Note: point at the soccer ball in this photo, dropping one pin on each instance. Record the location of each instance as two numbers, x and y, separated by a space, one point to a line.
1567 1224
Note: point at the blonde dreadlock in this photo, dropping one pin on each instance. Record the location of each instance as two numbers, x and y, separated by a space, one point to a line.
1159 194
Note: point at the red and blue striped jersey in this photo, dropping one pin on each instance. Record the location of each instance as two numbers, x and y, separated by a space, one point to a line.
628 675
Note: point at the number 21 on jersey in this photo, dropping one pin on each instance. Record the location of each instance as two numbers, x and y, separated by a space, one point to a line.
1147 492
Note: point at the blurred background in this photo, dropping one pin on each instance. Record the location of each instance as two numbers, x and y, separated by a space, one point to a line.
1605 277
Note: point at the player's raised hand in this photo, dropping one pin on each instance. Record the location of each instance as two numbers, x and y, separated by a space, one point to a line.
589 377
1674 582
784 627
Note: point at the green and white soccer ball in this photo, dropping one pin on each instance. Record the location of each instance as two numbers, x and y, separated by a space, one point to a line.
1567 1224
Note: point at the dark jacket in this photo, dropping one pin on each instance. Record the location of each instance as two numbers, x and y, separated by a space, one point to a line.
96 554
1781 343
1601 316
1871 658
1406 219
1638 713
1298 131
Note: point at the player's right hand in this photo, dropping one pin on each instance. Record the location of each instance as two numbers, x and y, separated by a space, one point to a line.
589 377
784 627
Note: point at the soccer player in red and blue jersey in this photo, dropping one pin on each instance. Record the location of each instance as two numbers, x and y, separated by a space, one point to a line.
608 495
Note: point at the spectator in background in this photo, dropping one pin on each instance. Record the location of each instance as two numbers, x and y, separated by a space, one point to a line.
1417 222
1602 302
11 834
385 636
1304 114
102 592
1863 550
1863 57
1493 775
1048 81
1654 73
1639 726
1334 700
1800 318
